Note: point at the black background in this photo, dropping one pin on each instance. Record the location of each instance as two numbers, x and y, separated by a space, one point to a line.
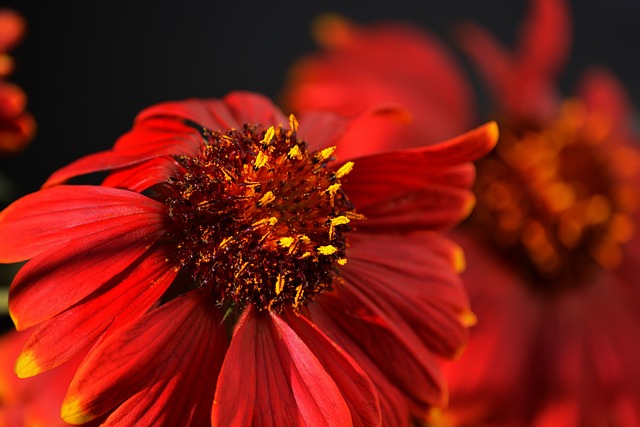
88 67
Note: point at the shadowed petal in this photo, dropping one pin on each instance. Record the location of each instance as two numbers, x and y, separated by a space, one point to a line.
247 107
71 331
212 114
140 177
271 378
167 361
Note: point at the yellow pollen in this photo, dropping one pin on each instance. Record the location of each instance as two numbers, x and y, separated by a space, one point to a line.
339 220
279 284
293 123
342 261
285 242
271 221
225 241
344 169
296 301
260 160
268 135
267 198
295 153
327 250
304 239
326 153
333 188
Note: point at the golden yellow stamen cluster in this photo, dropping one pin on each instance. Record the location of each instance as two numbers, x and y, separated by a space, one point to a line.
259 219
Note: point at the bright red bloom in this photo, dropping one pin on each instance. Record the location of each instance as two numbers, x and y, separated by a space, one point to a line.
17 126
230 271
552 244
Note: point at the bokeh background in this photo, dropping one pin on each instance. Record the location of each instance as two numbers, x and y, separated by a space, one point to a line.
89 67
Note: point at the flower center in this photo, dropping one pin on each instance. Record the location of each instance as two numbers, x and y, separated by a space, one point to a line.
259 219
557 201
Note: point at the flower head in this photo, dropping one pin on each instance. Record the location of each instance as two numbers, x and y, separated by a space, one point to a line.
17 126
553 240
230 270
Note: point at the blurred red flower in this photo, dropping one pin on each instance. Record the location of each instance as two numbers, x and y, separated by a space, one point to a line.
230 271
552 244
17 126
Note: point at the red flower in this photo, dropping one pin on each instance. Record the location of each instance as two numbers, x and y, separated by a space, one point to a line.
390 63
552 246
229 271
17 126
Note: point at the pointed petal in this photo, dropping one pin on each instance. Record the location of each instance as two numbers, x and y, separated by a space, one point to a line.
140 144
50 219
604 94
248 107
69 274
356 388
161 369
271 378
73 330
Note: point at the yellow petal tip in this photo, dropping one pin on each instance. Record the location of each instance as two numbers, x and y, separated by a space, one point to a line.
459 260
493 131
27 365
73 412
468 318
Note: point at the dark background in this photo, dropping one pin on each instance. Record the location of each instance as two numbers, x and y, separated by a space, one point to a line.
88 67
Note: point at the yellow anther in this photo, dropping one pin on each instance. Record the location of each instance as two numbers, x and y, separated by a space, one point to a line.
268 135
271 221
342 261
285 242
225 241
279 284
306 254
267 198
295 153
326 153
304 239
344 169
327 250
260 160
354 215
293 123
298 295
333 188
339 220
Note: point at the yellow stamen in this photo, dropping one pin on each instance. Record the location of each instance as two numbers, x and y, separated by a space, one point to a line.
326 153
339 220
225 241
344 169
304 239
296 301
295 153
279 284
293 123
327 250
285 242
342 261
268 135
260 160
267 198
271 221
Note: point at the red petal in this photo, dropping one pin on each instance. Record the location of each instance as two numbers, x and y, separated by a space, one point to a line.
51 219
383 335
161 369
414 278
356 388
212 114
545 37
271 378
140 177
69 332
145 141
393 405
68 274
247 107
